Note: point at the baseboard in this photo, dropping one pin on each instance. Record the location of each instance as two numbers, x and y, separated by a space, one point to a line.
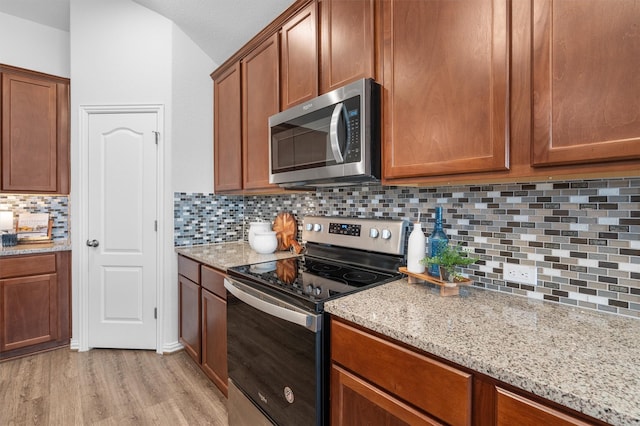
74 345
169 348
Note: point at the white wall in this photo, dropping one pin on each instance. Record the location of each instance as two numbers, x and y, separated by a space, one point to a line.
123 53
192 154
26 44
120 53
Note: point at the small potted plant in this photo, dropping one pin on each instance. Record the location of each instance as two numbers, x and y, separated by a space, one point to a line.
451 257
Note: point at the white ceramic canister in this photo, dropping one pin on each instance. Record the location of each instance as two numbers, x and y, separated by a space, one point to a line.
265 242
257 227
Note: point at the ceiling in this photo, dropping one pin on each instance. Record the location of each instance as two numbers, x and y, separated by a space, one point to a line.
219 27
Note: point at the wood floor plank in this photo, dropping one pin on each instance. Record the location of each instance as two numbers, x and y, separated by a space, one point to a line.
108 387
64 389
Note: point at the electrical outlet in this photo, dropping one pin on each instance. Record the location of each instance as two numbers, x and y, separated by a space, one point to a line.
522 274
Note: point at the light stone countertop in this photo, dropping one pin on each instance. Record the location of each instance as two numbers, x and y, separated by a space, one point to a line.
226 255
582 359
58 245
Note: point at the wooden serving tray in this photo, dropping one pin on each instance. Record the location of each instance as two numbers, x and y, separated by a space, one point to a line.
446 288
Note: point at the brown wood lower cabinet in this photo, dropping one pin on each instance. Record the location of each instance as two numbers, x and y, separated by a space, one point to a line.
214 327
34 303
435 389
514 409
376 380
189 302
356 401
203 318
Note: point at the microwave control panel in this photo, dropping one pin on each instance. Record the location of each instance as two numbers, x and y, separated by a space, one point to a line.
353 115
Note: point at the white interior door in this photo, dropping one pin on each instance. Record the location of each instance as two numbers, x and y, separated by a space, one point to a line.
122 244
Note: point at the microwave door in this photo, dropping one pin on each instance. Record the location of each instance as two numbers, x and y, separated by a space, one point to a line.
305 142
339 126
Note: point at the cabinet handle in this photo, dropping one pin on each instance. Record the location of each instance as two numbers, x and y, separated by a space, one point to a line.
93 243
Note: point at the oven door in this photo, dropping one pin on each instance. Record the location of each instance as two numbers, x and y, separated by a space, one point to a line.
274 357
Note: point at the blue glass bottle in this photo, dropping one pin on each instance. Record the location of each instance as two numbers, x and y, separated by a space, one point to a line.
437 242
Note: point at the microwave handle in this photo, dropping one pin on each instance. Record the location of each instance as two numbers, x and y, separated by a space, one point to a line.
333 131
305 320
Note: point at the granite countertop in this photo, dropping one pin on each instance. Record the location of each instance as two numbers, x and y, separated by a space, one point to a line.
581 359
58 245
226 255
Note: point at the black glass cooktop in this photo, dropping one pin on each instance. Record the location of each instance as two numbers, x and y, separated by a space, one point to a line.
310 280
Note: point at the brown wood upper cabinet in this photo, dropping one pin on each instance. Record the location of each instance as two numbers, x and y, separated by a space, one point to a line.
279 69
35 132
446 79
260 100
299 69
347 42
227 132
586 81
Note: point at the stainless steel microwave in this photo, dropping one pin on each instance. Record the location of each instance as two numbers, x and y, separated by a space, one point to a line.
331 140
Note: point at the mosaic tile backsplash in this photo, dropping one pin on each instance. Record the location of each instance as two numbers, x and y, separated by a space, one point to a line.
56 206
582 236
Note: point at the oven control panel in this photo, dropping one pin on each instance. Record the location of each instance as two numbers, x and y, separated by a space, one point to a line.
379 235
344 229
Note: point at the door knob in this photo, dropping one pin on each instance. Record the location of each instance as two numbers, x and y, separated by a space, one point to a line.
93 243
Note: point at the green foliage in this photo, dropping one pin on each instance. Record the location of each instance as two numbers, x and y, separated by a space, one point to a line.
449 259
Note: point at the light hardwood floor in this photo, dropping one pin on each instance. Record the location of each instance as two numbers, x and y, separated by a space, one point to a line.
108 387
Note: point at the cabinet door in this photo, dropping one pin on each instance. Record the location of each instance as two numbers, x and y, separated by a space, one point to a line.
446 76
31 160
299 70
227 131
214 339
29 311
355 401
586 89
514 409
347 30
422 377
260 99
189 327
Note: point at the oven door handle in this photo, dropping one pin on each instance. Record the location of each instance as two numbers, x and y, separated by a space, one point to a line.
308 321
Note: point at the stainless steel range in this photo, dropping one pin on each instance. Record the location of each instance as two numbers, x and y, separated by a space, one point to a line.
276 331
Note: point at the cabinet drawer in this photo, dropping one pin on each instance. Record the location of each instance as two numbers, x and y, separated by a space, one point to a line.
189 268
432 386
27 265
513 409
213 281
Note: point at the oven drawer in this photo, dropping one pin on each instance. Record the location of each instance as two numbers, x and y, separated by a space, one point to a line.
436 388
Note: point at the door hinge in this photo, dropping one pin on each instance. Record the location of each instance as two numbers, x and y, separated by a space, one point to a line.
155 225
157 135
155 313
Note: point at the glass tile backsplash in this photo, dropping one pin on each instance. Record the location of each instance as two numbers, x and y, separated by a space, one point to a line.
56 206
582 236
